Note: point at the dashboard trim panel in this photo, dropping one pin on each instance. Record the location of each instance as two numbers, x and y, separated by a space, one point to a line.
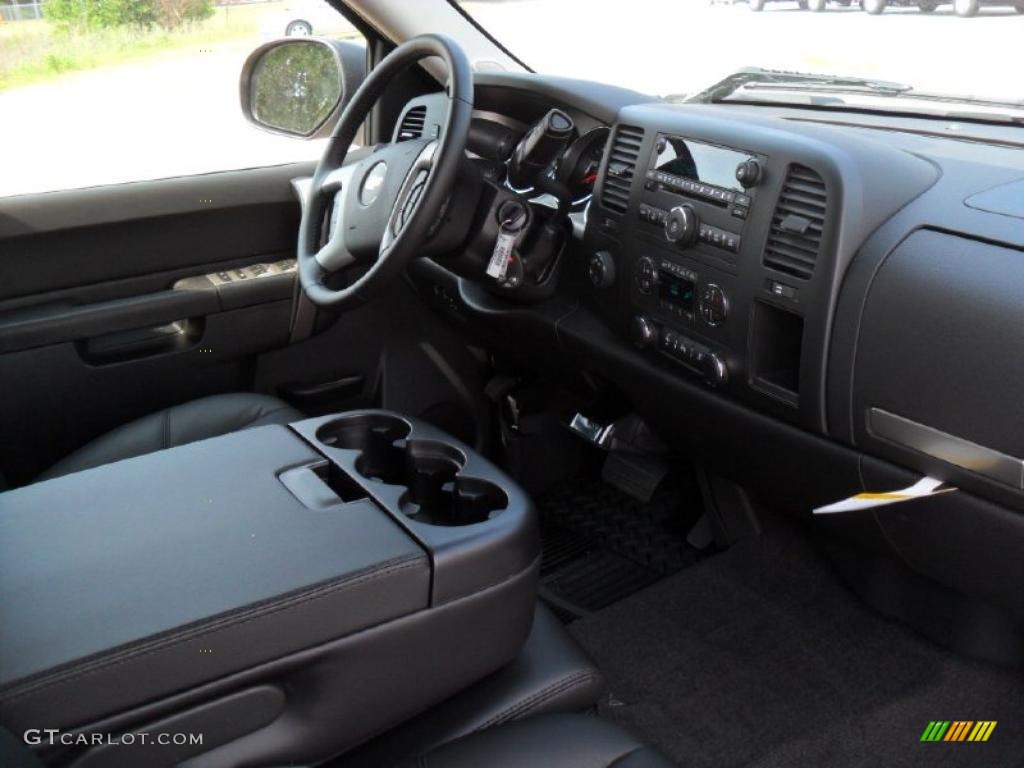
951 449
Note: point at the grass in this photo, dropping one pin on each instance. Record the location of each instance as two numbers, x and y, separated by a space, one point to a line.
33 51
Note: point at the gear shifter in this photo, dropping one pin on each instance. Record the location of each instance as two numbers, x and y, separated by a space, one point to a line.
539 148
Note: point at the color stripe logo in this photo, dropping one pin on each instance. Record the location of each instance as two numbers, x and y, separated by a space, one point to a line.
958 730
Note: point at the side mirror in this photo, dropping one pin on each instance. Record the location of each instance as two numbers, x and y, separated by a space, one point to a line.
299 87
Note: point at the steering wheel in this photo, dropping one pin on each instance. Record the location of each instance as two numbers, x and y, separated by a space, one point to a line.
387 205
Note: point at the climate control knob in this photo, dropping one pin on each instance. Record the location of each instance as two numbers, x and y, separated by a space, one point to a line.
646 275
714 305
601 269
682 225
644 332
716 373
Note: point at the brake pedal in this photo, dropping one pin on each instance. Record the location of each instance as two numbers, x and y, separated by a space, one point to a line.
635 474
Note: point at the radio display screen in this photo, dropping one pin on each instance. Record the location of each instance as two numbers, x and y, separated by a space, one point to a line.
698 161
677 291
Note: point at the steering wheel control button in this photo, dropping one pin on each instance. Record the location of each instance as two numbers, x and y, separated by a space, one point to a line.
714 305
681 225
601 269
373 183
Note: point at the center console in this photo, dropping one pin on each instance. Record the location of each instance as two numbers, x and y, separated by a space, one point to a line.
699 195
293 590
717 245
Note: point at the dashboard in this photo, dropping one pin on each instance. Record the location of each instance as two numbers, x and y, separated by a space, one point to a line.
810 303
735 269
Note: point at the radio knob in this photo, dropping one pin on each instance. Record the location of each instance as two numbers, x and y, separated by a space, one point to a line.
644 332
715 370
601 269
748 173
681 225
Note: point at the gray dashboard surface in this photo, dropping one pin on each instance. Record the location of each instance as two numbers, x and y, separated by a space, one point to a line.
108 557
1006 199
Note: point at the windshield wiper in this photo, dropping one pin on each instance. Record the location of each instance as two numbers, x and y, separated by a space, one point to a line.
727 86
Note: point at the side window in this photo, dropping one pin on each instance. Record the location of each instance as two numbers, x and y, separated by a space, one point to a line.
108 91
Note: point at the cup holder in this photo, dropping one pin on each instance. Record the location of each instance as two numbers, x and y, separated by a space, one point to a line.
373 435
429 471
434 492
436 495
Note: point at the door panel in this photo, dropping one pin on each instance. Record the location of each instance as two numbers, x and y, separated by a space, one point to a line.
112 306
105 313
79 238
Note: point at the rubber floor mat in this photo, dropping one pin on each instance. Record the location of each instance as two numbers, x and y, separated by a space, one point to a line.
601 545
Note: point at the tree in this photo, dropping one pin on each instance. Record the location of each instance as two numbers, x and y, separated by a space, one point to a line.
80 15
173 14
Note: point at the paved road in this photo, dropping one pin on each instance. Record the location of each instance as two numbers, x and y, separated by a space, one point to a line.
179 114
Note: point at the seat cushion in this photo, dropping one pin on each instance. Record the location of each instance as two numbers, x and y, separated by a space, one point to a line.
566 741
550 674
177 425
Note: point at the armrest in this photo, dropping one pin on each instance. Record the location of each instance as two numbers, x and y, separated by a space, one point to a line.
169 570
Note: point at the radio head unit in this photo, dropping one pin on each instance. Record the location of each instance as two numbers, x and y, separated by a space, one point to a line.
700 162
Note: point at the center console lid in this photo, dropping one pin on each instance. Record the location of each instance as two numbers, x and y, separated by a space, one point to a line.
142 589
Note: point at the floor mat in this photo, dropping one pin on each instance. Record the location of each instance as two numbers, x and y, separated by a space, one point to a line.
601 545
759 657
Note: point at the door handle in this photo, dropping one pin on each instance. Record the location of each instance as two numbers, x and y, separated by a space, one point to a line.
136 343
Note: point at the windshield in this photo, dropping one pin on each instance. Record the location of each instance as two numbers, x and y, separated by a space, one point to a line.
971 50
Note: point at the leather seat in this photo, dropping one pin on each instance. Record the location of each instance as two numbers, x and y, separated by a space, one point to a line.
177 425
552 673
566 741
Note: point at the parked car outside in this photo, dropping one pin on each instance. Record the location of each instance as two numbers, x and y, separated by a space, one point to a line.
302 19
960 7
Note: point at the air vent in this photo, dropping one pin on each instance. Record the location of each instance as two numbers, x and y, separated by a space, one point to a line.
794 241
618 180
412 124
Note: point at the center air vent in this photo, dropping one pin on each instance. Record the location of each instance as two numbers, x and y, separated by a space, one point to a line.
794 241
618 179
412 124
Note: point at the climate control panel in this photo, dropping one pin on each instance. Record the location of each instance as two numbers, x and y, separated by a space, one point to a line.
681 311
699 357
676 291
